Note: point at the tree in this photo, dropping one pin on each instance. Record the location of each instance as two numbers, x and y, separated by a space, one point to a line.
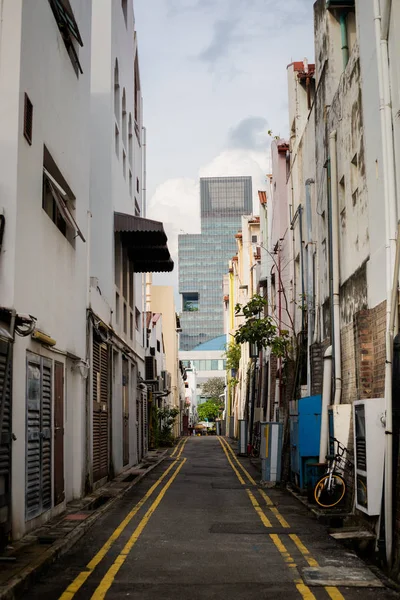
232 354
213 388
261 331
210 410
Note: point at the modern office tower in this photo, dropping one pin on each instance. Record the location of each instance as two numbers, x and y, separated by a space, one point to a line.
203 257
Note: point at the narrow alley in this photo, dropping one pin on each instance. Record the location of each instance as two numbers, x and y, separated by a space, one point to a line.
188 531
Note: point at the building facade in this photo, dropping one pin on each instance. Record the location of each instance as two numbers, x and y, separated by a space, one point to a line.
73 252
203 257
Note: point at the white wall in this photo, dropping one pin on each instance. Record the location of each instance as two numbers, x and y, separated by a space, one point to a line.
41 272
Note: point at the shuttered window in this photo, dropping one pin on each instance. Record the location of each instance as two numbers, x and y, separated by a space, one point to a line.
100 373
38 435
5 440
28 119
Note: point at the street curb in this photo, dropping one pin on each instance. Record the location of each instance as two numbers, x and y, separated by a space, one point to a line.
20 582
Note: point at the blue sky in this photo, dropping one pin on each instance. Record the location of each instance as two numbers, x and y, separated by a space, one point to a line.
213 76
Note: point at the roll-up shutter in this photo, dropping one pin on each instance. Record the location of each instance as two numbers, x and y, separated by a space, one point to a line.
100 374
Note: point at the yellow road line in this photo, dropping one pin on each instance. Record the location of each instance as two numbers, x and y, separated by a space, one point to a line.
274 510
268 501
109 577
249 477
238 475
305 552
177 447
181 450
301 587
83 576
333 592
259 510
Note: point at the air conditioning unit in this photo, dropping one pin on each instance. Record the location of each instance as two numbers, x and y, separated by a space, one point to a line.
151 368
166 375
271 451
369 450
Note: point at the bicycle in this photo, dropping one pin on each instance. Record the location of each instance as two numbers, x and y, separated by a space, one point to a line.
255 446
331 488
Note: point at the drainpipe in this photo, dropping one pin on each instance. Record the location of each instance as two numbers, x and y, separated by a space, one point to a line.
345 42
326 400
391 275
310 282
335 269
302 266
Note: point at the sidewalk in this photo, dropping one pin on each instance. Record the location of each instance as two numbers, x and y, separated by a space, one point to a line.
26 559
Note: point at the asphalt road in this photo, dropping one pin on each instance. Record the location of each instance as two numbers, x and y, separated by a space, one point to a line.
205 532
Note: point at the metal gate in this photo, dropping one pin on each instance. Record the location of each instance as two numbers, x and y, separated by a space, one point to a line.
5 439
38 435
125 411
100 374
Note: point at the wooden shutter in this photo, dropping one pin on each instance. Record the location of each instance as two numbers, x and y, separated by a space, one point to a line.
5 439
45 434
32 492
38 436
100 374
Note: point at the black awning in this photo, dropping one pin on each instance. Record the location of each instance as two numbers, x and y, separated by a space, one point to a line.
145 241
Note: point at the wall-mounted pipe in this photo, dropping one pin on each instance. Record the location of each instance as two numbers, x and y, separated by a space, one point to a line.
335 268
326 400
310 283
381 33
345 41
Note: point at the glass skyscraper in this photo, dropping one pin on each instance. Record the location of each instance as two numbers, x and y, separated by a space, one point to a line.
203 257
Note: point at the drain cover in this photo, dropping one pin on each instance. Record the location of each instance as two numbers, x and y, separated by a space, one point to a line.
341 576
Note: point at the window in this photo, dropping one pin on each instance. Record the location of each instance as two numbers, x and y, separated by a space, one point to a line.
190 302
28 119
116 91
58 201
124 6
130 183
125 319
214 365
131 326
131 289
137 88
254 239
137 318
124 163
116 140
69 30
124 118
117 261
158 346
137 209
137 184
117 308
130 140
125 264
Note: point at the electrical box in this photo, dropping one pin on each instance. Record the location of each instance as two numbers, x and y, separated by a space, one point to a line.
305 434
242 443
369 451
271 451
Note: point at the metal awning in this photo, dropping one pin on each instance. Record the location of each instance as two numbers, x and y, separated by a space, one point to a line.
146 243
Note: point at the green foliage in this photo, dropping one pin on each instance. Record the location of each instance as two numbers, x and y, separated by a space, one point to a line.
232 354
210 410
261 331
166 420
213 388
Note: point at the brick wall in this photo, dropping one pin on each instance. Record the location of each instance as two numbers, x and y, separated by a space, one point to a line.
349 371
378 315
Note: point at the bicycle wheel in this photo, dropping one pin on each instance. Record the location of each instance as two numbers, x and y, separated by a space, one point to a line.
330 497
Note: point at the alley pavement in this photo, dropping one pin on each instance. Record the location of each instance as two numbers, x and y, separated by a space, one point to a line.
200 527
